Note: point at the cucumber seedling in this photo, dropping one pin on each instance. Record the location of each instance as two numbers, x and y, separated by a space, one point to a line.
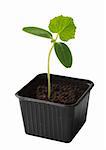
64 28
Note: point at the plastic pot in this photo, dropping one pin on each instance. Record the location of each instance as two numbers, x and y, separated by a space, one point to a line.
49 119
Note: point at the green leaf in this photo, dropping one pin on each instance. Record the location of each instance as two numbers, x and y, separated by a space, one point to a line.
64 54
64 26
38 32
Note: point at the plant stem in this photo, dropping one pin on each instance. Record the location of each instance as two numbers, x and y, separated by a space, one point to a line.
49 86
48 75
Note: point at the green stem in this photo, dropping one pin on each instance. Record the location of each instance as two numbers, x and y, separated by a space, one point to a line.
48 75
49 86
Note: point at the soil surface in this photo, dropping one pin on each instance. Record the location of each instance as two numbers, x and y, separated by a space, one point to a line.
61 93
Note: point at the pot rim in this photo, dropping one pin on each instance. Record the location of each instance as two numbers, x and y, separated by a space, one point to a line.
24 98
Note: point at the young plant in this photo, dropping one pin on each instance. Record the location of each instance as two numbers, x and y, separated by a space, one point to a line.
64 28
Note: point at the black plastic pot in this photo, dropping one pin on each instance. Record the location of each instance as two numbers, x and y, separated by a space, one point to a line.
49 119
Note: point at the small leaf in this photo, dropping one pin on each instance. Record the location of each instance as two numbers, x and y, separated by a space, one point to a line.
38 32
64 54
64 26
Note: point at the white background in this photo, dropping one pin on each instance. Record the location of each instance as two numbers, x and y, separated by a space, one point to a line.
23 56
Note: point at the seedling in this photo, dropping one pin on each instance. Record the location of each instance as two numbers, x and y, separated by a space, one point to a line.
64 28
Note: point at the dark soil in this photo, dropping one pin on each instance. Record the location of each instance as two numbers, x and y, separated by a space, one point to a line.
61 93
